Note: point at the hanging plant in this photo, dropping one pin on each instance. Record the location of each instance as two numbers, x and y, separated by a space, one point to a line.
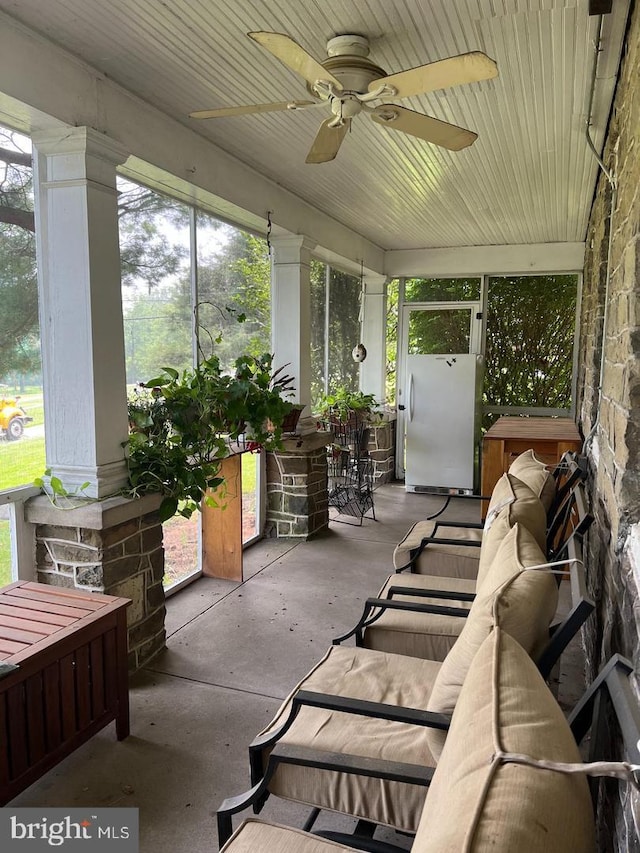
183 424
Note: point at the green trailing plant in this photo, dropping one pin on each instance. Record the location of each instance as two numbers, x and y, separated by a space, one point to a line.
183 424
61 497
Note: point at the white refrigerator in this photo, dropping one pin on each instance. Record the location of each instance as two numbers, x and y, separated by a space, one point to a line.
442 421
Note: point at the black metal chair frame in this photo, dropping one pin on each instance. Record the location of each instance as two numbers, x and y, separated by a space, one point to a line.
610 690
350 471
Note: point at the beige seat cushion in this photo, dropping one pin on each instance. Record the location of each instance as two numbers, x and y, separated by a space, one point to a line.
422 635
256 836
512 502
522 602
365 674
533 471
478 803
454 561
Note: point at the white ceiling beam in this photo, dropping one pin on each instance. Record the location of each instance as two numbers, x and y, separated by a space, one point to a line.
474 260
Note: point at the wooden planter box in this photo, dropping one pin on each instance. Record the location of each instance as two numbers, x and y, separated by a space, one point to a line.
70 680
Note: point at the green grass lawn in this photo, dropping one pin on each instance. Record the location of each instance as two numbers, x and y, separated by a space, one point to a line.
21 462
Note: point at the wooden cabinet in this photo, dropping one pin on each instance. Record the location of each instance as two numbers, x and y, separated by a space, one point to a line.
549 438
64 656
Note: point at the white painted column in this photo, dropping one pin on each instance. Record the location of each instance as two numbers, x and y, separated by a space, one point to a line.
291 316
373 370
80 307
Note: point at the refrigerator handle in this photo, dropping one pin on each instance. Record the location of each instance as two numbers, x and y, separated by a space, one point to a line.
410 407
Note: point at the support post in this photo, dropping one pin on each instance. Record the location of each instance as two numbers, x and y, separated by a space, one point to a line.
291 316
373 370
81 325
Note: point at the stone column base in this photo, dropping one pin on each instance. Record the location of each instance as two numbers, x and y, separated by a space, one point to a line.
112 546
297 490
382 451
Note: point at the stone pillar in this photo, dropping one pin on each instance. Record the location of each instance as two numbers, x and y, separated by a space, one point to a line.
297 497
80 307
373 370
113 547
291 316
382 451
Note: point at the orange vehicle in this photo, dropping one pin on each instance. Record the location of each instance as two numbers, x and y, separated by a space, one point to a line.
12 417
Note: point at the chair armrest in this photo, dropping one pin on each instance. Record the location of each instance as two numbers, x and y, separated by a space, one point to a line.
377 710
417 607
420 592
412 774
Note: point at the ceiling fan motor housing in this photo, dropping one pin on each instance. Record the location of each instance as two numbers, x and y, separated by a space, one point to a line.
349 64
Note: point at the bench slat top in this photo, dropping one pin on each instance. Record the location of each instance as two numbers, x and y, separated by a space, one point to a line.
32 614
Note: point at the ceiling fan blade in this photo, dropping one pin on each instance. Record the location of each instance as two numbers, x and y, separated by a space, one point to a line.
289 51
454 71
254 108
424 127
327 142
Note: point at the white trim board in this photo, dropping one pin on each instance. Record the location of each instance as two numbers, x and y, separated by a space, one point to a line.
493 260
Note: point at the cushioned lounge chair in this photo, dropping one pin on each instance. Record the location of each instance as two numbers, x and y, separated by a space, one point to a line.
368 703
452 548
480 798
422 615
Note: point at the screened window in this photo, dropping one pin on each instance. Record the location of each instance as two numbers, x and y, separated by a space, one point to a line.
226 287
22 431
530 337
234 291
318 330
442 289
343 329
335 330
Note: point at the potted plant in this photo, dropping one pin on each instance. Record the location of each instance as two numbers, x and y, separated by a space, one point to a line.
182 425
346 407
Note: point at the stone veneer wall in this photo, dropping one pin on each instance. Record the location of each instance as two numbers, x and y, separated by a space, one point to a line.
113 547
382 450
297 496
614 452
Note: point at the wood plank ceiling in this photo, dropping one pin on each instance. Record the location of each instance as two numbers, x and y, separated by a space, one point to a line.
529 177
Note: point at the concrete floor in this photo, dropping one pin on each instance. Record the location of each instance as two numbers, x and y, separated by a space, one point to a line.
234 651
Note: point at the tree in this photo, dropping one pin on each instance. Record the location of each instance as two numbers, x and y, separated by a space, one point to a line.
530 333
18 280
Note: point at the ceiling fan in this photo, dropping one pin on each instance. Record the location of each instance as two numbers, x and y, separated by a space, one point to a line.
350 82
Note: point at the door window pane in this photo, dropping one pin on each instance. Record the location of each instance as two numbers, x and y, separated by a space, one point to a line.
530 335
442 289
441 331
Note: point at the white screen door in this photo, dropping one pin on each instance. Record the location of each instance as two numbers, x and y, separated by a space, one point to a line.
439 394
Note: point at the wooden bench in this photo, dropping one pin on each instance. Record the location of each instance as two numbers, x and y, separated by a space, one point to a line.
64 657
